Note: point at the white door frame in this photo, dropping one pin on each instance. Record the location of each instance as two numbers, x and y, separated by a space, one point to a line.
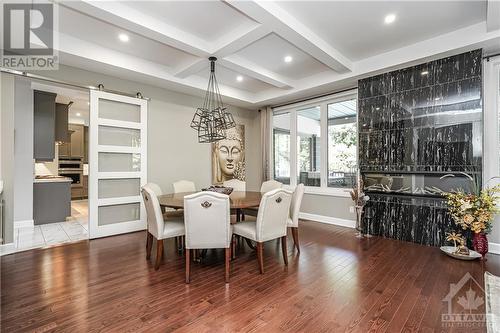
96 231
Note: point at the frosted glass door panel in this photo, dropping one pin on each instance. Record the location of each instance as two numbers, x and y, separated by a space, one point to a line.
119 162
119 111
115 188
117 136
119 213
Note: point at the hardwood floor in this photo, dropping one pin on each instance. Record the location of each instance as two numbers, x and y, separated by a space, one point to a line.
338 283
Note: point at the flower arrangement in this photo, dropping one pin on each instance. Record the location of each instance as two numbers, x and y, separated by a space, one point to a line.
474 211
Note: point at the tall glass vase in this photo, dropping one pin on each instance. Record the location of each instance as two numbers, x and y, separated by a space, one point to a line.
359 222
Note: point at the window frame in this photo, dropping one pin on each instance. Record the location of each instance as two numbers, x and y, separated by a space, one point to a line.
292 109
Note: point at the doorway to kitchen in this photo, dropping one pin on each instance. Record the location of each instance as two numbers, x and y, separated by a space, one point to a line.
60 180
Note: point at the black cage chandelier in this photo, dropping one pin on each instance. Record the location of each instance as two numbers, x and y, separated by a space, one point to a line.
212 119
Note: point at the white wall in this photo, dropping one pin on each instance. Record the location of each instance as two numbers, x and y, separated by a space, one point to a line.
23 151
7 152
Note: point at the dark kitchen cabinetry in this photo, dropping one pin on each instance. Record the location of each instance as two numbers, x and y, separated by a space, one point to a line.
75 147
62 134
44 126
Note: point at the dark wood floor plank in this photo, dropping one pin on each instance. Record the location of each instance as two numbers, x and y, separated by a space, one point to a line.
337 283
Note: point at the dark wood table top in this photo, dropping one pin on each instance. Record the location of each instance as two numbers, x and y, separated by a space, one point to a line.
238 199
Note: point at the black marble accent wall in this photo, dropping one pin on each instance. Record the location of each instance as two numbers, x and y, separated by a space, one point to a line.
416 125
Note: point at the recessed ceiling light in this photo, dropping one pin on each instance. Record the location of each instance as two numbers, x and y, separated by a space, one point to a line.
377 108
239 78
288 59
78 114
424 73
123 37
390 18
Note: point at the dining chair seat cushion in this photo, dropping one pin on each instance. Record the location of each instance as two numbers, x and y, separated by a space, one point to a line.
245 229
173 229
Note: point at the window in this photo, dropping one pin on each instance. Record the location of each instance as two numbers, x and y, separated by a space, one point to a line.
281 148
342 143
309 146
315 143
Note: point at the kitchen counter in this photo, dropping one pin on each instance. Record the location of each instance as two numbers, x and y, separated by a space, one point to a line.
51 199
51 179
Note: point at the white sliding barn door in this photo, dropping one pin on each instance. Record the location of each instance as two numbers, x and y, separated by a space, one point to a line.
117 163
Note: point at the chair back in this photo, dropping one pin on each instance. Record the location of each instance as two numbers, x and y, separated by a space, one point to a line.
295 206
236 184
153 211
155 188
270 185
273 214
207 221
184 186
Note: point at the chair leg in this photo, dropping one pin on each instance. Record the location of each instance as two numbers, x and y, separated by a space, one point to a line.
260 256
284 250
295 235
228 257
242 216
149 245
233 245
188 268
159 252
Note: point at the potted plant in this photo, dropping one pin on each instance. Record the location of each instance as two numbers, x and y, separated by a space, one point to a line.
474 211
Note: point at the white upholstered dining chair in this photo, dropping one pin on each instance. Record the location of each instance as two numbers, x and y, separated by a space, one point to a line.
158 227
293 219
236 184
271 223
184 186
207 222
266 186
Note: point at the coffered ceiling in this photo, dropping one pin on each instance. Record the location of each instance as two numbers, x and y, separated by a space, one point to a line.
330 44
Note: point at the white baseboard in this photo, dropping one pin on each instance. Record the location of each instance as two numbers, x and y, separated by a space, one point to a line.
7 249
328 220
24 224
494 248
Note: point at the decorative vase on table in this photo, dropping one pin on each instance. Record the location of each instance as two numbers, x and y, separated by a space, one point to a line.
480 243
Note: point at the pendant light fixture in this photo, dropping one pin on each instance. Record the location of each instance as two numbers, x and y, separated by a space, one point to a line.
212 119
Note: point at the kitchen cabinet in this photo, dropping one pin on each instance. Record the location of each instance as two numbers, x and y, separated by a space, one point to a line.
44 122
62 134
51 200
76 145
85 144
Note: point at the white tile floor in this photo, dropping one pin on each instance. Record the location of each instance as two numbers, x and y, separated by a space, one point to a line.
74 229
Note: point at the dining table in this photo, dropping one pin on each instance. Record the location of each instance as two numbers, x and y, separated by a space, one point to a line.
238 200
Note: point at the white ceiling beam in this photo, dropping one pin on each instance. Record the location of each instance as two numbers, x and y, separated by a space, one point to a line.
239 40
191 69
288 27
243 66
493 15
137 22
128 18
89 52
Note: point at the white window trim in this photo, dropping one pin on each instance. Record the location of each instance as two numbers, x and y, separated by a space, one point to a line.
292 110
